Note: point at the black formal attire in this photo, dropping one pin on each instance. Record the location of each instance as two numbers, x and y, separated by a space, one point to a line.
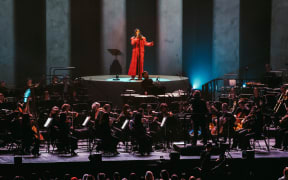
281 133
169 128
198 119
228 126
67 141
142 138
147 85
109 142
249 130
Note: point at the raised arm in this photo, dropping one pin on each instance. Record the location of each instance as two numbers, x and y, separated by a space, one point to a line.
148 43
133 41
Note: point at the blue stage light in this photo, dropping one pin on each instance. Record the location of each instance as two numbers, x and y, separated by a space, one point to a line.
196 83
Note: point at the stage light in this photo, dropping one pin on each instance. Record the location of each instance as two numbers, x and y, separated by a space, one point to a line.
196 83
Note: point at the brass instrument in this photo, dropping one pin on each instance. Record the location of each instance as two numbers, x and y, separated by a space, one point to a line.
280 101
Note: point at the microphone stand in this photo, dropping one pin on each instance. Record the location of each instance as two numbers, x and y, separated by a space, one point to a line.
139 57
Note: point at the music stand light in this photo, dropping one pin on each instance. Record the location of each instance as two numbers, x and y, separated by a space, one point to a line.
48 122
125 124
163 121
87 119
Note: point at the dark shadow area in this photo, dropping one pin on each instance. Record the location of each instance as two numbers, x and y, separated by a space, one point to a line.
30 40
85 37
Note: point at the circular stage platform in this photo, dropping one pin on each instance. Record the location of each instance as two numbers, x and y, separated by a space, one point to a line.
107 88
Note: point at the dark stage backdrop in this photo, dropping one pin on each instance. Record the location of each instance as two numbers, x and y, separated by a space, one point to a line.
85 25
142 14
197 40
255 29
30 40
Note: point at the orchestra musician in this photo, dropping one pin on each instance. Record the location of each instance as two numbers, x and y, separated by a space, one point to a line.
280 109
240 113
60 132
3 89
125 114
71 115
281 137
94 117
256 98
249 129
29 137
165 124
55 88
109 142
198 117
147 84
142 137
121 124
66 141
226 123
52 127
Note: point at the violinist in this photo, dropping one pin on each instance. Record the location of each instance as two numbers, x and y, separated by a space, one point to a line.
249 129
52 125
66 141
121 124
126 114
95 114
165 123
71 115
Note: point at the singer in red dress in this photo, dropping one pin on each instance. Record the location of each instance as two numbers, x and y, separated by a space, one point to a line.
137 61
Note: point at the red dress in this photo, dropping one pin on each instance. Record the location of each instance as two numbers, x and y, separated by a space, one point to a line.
137 60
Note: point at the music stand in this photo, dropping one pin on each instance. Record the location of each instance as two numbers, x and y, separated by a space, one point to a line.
115 52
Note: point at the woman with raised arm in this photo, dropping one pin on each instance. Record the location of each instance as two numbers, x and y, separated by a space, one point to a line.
138 41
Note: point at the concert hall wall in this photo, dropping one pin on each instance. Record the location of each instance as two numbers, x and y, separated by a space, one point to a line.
30 40
36 34
85 22
255 34
142 14
197 40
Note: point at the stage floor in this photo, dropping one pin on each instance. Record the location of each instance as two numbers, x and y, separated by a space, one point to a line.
83 155
126 78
